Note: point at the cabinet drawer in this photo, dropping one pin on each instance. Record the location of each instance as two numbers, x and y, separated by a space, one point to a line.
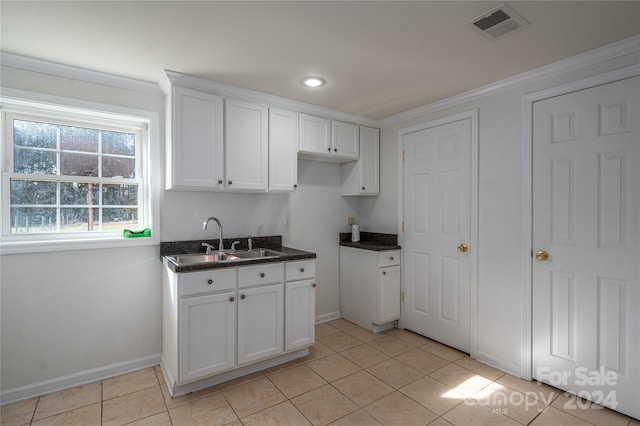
389 258
206 281
300 270
260 274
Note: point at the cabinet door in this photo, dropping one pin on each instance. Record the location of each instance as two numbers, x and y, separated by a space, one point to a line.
345 140
300 308
283 150
195 152
207 335
260 323
369 162
246 146
389 294
315 135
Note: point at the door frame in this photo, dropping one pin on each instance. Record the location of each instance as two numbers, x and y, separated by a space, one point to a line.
527 194
472 115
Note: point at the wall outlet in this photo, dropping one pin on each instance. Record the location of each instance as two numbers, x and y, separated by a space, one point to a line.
286 219
351 221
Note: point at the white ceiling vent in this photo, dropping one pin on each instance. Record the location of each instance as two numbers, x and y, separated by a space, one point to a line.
498 22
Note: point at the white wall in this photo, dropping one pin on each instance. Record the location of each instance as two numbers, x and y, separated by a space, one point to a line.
500 245
73 316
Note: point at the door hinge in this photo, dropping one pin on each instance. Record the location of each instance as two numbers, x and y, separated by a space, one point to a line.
403 226
403 155
402 297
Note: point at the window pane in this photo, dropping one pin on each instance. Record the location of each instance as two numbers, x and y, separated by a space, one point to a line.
78 139
119 195
118 219
30 161
31 133
78 164
118 143
33 192
33 219
77 193
77 219
116 166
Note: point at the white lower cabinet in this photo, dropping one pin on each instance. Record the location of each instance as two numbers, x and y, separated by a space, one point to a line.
370 287
207 337
389 291
300 322
260 323
300 304
222 323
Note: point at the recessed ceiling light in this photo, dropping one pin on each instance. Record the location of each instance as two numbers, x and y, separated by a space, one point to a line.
312 81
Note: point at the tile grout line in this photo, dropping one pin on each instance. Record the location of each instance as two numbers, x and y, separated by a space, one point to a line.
33 415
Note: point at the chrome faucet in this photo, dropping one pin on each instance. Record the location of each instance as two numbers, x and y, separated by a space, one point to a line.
250 242
204 227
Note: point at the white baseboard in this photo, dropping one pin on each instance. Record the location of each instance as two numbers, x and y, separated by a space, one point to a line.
77 379
507 367
328 317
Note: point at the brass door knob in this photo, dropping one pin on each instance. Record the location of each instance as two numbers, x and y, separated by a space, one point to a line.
462 248
542 255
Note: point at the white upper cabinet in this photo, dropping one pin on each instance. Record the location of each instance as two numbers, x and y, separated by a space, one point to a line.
219 139
363 177
246 146
344 138
283 150
315 136
195 149
327 140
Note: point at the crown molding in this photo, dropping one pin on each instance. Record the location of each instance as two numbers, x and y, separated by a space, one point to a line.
57 69
621 48
185 80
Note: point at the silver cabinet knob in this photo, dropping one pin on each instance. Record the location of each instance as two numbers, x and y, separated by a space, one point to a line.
244 296
262 275
231 299
384 273
209 281
313 285
301 269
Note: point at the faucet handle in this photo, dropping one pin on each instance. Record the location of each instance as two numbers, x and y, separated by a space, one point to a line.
250 242
233 245
208 246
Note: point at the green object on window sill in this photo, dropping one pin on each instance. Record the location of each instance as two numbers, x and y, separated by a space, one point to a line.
128 233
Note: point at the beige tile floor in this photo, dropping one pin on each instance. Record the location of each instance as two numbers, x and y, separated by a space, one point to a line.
352 377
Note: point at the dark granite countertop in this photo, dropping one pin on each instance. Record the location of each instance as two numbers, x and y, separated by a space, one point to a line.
374 241
193 247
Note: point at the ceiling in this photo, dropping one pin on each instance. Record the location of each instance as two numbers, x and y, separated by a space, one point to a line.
379 58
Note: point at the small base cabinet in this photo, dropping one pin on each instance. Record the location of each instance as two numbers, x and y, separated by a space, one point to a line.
222 323
370 287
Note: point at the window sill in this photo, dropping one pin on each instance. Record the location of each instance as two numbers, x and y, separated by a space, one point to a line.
34 246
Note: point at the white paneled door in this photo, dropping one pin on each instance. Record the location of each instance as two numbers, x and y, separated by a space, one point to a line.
586 257
436 239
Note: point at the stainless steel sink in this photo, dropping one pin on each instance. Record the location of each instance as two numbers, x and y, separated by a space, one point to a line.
223 257
257 253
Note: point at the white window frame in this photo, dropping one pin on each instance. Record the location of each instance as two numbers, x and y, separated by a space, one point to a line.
26 105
